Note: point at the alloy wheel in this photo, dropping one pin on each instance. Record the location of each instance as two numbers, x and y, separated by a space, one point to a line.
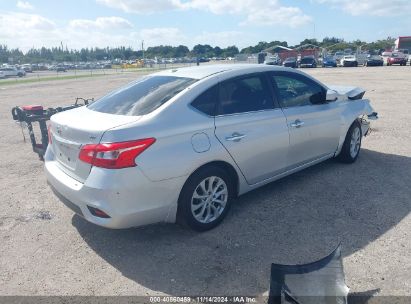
355 142
209 199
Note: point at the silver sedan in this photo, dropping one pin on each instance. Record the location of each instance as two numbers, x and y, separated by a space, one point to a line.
179 145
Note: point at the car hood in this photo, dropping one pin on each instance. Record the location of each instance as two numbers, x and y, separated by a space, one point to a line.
348 92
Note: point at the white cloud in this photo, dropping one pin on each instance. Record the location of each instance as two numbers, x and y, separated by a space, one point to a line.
290 16
25 5
101 23
221 39
24 31
21 24
141 6
255 12
371 7
162 35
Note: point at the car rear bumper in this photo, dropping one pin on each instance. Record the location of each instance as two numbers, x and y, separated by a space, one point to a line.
398 62
126 195
375 63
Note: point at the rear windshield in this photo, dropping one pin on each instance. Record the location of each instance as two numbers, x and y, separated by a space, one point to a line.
142 96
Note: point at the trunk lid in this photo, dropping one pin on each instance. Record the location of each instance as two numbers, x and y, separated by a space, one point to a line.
74 128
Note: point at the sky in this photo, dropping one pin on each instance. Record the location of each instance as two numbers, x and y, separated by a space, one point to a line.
100 23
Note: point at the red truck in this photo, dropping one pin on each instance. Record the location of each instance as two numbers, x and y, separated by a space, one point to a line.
397 58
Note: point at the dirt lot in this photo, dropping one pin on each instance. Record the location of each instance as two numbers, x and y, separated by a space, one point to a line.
46 250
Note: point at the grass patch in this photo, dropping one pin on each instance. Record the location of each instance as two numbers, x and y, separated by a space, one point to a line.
46 78
67 77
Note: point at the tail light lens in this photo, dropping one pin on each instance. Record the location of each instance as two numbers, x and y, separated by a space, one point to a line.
114 155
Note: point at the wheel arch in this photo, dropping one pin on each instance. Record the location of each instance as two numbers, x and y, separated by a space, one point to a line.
344 132
229 168
234 177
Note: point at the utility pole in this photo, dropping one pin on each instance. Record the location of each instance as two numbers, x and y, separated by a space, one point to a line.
142 47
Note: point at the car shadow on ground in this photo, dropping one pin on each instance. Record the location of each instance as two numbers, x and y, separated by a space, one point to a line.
298 219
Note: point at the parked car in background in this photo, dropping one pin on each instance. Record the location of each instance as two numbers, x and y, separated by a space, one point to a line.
13 71
272 60
374 60
397 58
385 55
58 68
27 68
348 51
329 62
125 160
361 58
349 61
290 62
308 62
61 69
338 56
406 53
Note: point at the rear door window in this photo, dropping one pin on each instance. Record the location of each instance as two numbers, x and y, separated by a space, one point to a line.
142 96
245 94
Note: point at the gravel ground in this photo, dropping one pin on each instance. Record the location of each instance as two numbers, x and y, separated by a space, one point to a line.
46 250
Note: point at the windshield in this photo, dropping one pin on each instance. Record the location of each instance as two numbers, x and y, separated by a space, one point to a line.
307 60
142 96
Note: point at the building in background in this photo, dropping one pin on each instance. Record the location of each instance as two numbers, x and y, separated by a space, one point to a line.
403 43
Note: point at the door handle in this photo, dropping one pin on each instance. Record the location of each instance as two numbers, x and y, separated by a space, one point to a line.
235 137
297 124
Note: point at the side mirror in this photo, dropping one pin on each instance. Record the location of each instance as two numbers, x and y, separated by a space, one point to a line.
331 96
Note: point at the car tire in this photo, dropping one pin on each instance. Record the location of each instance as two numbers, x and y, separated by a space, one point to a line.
20 74
352 144
198 202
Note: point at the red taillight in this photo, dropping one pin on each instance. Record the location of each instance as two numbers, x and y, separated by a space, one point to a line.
49 134
114 155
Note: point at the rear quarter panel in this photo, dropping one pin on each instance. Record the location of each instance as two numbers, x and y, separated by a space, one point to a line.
174 125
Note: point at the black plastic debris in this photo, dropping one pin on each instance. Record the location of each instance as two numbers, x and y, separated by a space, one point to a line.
43 215
321 282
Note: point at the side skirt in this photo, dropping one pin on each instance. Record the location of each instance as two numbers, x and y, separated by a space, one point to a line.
248 188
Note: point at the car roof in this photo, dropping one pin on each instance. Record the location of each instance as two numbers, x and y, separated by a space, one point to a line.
203 71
